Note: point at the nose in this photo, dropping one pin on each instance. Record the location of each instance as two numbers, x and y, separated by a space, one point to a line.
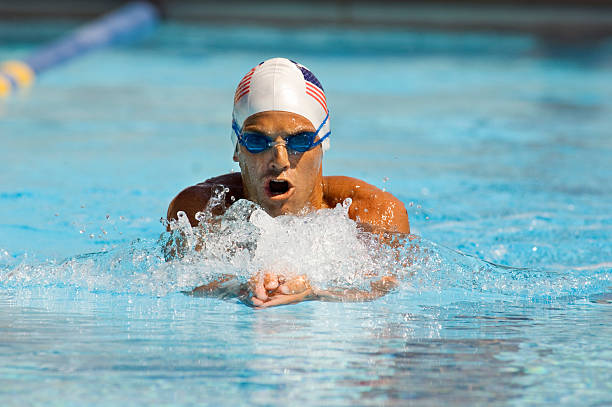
280 158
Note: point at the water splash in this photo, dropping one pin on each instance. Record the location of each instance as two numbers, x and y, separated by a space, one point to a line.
326 246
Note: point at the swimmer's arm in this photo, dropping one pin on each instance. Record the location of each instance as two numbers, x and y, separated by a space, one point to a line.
378 289
215 288
226 286
267 290
195 198
261 287
191 200
376 210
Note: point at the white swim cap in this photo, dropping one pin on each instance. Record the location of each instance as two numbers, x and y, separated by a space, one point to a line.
283 85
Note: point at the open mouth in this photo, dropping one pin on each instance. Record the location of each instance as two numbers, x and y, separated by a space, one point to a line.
278 187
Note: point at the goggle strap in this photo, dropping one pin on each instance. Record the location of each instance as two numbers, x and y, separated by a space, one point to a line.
316 143
238 132
322 124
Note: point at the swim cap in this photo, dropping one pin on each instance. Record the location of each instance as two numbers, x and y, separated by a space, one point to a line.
283 85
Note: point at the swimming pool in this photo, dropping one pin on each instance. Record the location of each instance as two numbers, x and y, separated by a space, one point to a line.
500 146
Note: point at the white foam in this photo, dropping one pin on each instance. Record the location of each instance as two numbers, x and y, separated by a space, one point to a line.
326 246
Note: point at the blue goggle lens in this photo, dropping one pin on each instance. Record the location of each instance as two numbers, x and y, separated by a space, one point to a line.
256 143
301 142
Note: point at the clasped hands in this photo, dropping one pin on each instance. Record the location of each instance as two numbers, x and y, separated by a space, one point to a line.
270 289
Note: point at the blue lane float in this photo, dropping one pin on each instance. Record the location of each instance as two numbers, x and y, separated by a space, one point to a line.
128 23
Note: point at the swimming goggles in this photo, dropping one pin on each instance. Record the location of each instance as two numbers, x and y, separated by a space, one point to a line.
256 142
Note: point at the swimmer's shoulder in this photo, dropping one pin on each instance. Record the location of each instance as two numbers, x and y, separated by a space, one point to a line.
194 199
370 205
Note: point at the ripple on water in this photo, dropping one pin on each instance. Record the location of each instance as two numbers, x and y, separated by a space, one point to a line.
326 246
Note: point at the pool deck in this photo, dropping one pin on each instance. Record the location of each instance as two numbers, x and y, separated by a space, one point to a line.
570 20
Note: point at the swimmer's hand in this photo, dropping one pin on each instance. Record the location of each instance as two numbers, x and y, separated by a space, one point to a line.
263 290
298 289
271 289
385 284
263 283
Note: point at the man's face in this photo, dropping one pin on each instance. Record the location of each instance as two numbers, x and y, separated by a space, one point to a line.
281 181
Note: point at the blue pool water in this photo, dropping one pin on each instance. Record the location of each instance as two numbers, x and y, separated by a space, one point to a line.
500 146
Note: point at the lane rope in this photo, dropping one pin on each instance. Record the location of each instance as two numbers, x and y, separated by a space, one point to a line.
126 24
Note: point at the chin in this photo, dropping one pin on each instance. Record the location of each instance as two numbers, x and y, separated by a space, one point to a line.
275 209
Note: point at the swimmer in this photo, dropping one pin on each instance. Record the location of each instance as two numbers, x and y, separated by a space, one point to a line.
281 128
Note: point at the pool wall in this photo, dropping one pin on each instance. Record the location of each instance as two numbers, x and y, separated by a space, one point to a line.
564 19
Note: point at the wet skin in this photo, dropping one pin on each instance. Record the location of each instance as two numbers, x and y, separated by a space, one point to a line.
285 182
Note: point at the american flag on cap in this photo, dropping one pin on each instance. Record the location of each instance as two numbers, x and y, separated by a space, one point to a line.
244 85
279 84
313 86
313 89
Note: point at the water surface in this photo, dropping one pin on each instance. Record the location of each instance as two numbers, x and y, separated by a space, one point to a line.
499 146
